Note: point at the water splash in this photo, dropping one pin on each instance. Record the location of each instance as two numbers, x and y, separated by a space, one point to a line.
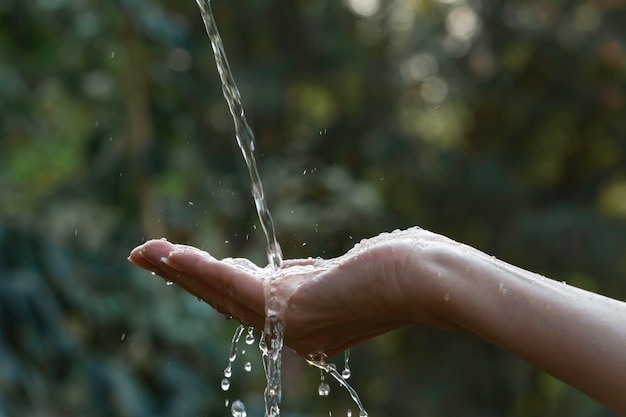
274 330
245 139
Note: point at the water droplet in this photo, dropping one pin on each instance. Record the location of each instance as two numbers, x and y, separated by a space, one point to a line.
324 389
225 384
349 413
191 203
228 372
363 413
238 409
247 367
168 282
152 273
123 336
226 402
345 374
249 339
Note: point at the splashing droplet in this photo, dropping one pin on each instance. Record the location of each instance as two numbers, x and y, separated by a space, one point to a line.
250 336
324 389
238 409
225 384
346 373
247 367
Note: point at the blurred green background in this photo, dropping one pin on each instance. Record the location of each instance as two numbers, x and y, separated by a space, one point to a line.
499 123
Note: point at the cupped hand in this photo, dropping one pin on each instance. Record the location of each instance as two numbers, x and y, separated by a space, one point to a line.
326 305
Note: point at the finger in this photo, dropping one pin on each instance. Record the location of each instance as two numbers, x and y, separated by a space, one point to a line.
154 256
150 253
240 282
223 305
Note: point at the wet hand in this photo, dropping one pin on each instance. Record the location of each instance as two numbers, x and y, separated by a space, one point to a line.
326 305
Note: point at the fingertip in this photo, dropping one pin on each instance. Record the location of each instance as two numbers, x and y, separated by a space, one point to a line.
156 249
136 252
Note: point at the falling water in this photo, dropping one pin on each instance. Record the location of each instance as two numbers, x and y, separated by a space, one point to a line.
243 132
245 139
271 341
323 389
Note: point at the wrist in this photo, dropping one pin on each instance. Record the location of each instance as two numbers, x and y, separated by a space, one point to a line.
438 279
425 271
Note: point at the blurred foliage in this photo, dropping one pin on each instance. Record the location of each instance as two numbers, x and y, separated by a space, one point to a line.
498 123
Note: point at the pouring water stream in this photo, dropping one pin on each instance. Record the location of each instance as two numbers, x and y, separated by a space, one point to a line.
273 331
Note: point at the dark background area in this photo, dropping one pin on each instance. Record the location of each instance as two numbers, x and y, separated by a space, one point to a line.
498 123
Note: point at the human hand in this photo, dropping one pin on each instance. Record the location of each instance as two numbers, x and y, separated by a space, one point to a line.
327 305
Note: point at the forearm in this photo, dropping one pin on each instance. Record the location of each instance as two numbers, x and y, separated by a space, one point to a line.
575 335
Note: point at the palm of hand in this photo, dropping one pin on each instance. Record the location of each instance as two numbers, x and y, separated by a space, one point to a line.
325 305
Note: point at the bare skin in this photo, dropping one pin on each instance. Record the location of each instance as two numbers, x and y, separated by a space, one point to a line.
417 277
